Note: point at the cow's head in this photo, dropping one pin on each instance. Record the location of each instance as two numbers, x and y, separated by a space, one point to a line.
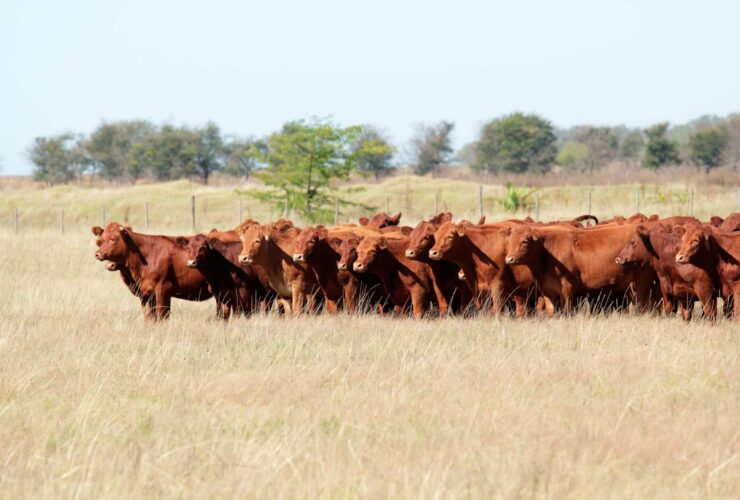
253 237
307 241
198 248
368 251
693 240
348 252
446 238
421 239
523 241
638 249
112 242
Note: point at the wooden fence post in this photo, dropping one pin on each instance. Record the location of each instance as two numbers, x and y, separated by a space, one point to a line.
241 213
146 215
192 211
387 204
480 200
537 206
61 220
16 220
637 198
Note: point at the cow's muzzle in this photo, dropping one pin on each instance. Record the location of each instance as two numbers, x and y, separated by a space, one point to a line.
342 266
245 259
511 260
681 258
619 260
298 257
190 263
434 255
357 266
410 254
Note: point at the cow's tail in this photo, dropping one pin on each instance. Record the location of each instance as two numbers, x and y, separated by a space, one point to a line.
582 218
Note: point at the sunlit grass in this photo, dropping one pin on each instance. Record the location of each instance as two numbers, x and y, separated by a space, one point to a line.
96 403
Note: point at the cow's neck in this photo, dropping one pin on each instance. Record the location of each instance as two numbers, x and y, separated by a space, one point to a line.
324 266
139 246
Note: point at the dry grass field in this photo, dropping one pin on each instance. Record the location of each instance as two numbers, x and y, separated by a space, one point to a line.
94 403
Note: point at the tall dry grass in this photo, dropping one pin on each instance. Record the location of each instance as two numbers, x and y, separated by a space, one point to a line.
95 403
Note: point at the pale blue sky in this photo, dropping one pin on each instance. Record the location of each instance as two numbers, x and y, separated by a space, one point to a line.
251 66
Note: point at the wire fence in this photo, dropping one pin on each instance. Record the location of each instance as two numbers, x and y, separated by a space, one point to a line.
201 213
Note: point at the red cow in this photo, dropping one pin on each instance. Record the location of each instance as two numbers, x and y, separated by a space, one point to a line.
154 265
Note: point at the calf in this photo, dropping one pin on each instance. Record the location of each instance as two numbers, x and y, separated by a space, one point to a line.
154 266
655 246
479 252
270 247
568 263
454 293
236 288
405 280
716 252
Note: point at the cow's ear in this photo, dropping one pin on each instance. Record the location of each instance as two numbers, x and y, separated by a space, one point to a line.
460 229
716 220
215 243
481 221
446 217
181 241
266 232
642 231
382 243
97 230
123 230
393 221
506 232
363 220
429 229
653 218
335 242
322 232
678 230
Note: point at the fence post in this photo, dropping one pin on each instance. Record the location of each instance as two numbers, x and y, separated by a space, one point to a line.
387 204
146 215
192 211
480 200
336 210
436 203
589 203
61 220
691 202
637 198
241 213
537 206
103 215
16 220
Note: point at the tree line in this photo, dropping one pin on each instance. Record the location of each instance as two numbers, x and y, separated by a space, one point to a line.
301 163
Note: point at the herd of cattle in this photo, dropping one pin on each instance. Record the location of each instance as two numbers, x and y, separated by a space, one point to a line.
439 266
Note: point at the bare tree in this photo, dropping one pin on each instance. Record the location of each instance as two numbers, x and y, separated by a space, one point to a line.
431 147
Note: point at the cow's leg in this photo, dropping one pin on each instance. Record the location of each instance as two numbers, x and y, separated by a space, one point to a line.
521 306
350 295
442 302
708 299
729 305
497 299
566 298
686 308
285 304
163 301
418 300
299 298
549 306
331 306
147 307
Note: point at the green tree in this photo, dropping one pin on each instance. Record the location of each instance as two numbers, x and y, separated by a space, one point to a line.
516 143
659 150
303 160
708 146
242 156
632 146
54 158
374 152
209 151
431 147
110 147
601 145
573 155
168 154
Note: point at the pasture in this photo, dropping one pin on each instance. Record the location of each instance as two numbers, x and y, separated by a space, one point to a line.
94 402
